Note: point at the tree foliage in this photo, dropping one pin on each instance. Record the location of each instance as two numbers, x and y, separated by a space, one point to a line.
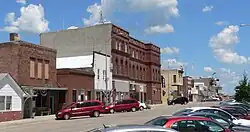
242 91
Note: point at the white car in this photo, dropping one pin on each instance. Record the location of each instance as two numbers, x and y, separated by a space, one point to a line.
143 106
218 111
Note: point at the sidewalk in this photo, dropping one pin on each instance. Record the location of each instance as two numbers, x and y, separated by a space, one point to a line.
29 120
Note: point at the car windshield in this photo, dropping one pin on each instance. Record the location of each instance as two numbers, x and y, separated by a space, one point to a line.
182 111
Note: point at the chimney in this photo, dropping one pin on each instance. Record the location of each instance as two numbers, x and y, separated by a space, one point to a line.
14 37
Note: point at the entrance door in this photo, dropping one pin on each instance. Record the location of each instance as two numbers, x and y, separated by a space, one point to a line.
52 104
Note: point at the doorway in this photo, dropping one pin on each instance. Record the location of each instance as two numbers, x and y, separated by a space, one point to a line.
52 104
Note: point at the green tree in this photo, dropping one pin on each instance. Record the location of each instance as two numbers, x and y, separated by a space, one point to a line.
242 91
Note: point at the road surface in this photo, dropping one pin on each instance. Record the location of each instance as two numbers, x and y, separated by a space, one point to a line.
83 124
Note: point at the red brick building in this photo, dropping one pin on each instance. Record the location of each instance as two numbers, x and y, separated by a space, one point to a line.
137 62
78 81
34 69
136 65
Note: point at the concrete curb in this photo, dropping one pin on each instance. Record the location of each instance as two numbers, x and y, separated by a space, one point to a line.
29 121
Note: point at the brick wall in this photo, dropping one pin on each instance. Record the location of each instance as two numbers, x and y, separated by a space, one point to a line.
15 59
11 115
75 81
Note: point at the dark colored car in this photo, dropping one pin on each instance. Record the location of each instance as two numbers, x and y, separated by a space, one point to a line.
123 105
92 108
236 112
188 124
180 100
246 106
223 121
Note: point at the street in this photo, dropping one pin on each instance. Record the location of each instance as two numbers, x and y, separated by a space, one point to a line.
82 124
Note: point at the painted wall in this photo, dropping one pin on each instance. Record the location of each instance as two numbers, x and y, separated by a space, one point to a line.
16 100
100 63
79 42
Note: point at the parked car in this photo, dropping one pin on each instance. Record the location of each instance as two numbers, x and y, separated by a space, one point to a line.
92 108
223 121
236 112
246 106
218 111
180 100
144 106
123 105
188 124
132 128
226 101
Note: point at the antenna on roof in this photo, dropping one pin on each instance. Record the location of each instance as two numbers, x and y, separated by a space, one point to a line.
101 13
101 17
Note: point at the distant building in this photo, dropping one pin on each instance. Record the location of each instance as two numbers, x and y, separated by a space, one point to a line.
188 84
210 86
172 83
135 65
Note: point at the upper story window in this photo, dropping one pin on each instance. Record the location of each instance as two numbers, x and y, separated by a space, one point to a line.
39 69
120 46
98 73
116 44
46 70
32 68
126 48
133 53
174 79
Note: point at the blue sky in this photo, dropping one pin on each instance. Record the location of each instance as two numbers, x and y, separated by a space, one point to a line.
202 35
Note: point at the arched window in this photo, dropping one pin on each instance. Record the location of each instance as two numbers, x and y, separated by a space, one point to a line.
121 67
126 67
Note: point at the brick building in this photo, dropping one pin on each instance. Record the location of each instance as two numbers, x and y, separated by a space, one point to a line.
75 80
188 84
136 65
34 68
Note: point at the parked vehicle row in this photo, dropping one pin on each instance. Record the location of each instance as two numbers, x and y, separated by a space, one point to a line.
94 108
232 117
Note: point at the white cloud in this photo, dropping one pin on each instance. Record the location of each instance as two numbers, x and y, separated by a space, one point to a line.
230 57
31 20
208 69
72 27
222 43
158 12
173 63
21 1
160 29
229 76
95 15
221 23
207 8
170 50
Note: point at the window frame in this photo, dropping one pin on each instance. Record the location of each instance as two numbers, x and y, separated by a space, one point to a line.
5 103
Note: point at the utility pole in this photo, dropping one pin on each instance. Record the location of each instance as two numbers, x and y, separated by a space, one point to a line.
106 65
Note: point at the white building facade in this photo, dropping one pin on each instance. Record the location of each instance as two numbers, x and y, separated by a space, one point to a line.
101 66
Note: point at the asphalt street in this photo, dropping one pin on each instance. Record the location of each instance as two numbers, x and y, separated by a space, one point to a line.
82 124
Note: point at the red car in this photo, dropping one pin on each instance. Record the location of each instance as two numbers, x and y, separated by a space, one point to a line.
123 105
92 108
188 124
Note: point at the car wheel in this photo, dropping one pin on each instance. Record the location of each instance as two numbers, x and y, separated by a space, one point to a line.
133 109
96 114
66 116
173 103
185 102
141 108
112 111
